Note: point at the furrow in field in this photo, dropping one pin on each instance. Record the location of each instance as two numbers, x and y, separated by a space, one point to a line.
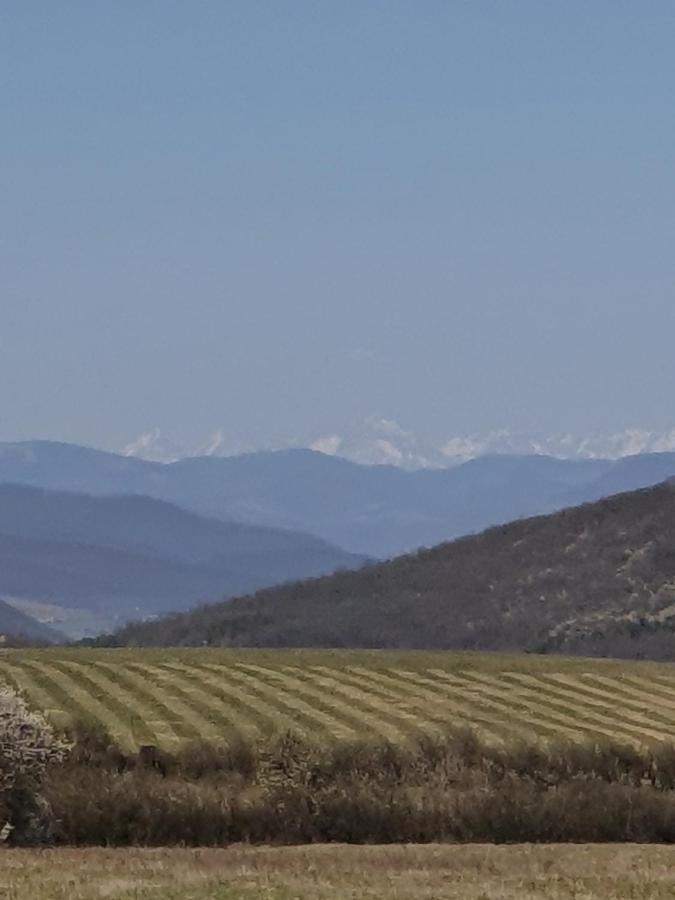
41 695
564 710
660 683
667 680
440 709
295 691
631 701
575 696
354 705
378 711
404 703
167 688
88 680
114 681
119 729
192 683
499 723
651 694
573 715
520 710
400 703
259 691
222 678
645 691
474 708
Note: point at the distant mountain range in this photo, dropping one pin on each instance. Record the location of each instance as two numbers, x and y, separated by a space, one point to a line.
86 564
379 441
378 511
597 580
89 539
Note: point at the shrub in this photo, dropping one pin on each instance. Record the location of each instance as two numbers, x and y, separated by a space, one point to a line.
27 747
288 790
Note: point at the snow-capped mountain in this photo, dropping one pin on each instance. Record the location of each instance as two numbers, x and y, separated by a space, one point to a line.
381 441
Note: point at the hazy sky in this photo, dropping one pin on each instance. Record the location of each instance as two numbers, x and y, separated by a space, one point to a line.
284 217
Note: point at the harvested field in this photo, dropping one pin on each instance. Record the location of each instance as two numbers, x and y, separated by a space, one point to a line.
169 697
338 872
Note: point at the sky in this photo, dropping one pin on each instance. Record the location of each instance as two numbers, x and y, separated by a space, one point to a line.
279 219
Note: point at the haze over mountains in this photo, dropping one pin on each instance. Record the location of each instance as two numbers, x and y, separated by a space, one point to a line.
89 539
378 511
86 564
16 625
598 579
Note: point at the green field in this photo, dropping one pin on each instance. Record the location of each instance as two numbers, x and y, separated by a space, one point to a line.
168 697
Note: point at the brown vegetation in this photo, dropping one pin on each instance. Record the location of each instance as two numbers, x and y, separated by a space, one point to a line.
429 872
290 791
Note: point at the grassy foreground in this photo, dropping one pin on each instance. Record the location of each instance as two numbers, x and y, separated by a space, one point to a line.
432 872
170 697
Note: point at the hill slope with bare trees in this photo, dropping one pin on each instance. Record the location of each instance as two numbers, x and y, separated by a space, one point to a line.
597 579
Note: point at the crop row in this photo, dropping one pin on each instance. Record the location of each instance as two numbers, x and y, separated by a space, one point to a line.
168 702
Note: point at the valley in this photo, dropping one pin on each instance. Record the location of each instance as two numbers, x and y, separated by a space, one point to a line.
82 564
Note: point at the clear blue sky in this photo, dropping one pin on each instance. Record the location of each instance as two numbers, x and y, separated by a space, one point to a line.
282 217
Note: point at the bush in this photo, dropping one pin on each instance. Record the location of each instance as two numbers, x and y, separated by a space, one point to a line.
288 790
27 747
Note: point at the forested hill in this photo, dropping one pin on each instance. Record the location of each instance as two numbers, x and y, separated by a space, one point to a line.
598 579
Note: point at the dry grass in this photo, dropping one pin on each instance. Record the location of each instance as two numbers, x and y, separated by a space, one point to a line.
434 872
171 696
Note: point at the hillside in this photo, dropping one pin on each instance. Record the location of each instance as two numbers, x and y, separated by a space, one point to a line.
15 624
379 511
598 579
115 558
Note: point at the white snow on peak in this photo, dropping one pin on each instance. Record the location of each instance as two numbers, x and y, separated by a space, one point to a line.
383 441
